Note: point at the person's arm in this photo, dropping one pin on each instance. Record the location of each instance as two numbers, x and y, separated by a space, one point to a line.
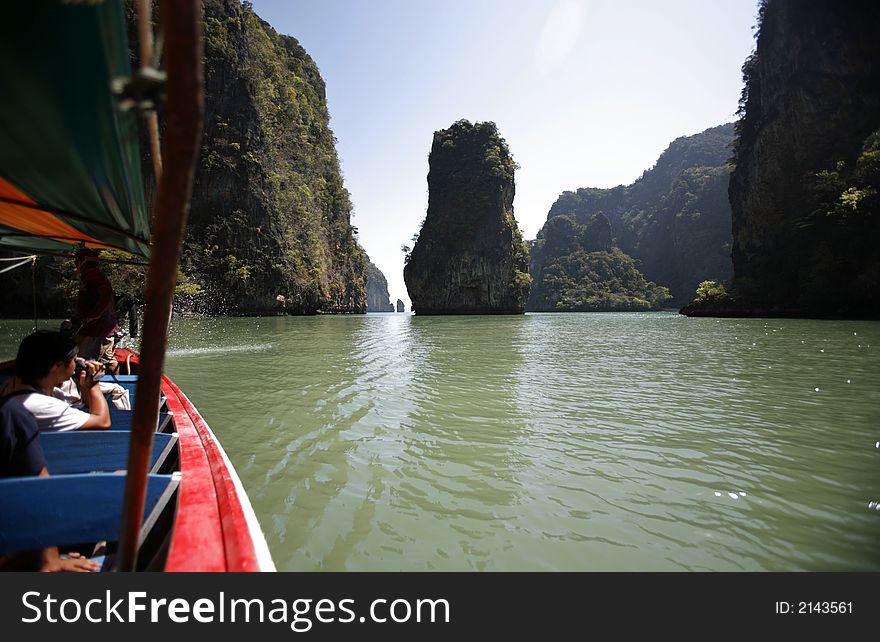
99 413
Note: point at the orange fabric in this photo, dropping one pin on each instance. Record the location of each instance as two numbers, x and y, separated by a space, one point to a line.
38 222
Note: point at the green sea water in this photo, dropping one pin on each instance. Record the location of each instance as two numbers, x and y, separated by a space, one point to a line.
631 442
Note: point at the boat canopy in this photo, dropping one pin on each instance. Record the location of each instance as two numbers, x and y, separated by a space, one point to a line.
70 164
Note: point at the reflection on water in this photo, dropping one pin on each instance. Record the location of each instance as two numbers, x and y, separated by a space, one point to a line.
545 442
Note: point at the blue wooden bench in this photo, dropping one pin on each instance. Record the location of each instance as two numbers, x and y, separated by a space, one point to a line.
86 451
121 420
63 510
121 379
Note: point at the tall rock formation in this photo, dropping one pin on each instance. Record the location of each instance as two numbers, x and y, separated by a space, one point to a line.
804 193
270 215
469 257
674 220
378 299
400 306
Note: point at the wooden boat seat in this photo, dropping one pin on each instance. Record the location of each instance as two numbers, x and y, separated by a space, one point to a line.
86 451
65 510
121 420
122 379
131 393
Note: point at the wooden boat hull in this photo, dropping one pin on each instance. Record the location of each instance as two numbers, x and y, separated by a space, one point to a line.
215 527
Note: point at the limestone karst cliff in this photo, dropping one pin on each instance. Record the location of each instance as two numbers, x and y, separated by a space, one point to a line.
469 257
804 191
378 299
674 220
270 214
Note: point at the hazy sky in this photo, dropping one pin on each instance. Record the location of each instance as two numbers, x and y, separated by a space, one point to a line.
586 93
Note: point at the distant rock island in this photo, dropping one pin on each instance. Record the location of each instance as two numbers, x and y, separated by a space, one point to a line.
469 257
400 306
674 221
378 299
805 190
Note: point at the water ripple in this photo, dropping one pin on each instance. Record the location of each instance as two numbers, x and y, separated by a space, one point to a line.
548 442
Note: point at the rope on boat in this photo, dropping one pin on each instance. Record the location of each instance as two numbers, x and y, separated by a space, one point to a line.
22 260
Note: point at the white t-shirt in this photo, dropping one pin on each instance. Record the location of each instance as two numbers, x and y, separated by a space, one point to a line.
69 392
53 414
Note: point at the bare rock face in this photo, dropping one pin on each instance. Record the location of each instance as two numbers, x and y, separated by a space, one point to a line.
400 306
378 299
469 257
804 191
270 215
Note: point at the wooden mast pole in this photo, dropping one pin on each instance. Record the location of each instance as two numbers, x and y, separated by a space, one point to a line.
145 36
184 112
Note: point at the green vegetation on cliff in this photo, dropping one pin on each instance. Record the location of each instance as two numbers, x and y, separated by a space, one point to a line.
674 220
582 272
469 257
804 191
270 215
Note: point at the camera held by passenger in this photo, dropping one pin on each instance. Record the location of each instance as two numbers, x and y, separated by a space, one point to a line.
82 366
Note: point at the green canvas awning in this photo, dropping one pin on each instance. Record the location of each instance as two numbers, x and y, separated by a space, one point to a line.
70 167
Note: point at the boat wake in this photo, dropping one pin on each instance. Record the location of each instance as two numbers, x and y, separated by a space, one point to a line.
185 352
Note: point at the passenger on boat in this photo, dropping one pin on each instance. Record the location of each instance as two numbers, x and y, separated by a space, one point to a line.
95 311
45 361
20 451
22 455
